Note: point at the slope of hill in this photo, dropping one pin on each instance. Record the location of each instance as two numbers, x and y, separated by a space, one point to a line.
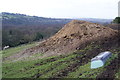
74 65
114 26
73 36
84 40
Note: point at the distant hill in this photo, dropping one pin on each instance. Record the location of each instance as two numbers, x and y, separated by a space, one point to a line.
33 28
12 19
20 29
97 20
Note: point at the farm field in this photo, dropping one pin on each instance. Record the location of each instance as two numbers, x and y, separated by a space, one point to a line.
74 65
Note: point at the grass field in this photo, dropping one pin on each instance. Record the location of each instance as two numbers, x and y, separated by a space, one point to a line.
11 51
74 65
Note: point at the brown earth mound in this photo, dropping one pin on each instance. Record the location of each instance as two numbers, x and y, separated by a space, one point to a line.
70 38
114 26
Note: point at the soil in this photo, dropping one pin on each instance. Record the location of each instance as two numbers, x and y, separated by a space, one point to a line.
110 70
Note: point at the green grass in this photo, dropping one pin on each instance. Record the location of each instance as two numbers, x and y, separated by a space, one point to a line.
11 51
57 69
28 68
47 67
51 66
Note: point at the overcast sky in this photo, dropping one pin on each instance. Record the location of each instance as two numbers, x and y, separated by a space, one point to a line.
107 9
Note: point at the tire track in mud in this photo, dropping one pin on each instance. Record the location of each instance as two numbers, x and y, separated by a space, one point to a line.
52 68
46 61
49 60
81 61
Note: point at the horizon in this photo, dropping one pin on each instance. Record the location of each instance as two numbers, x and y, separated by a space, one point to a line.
56 17
102 9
